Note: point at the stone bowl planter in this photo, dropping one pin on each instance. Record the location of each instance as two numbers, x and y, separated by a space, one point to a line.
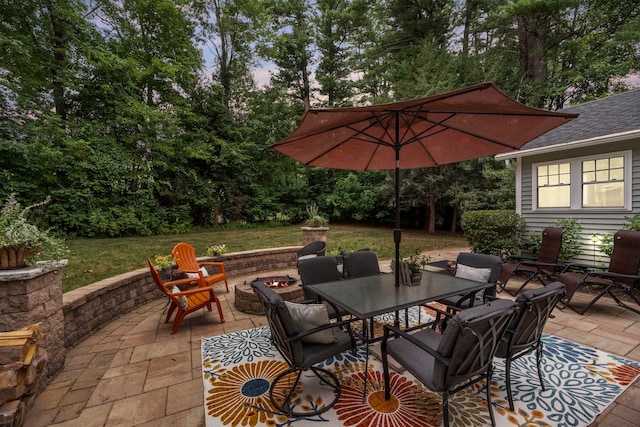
15 256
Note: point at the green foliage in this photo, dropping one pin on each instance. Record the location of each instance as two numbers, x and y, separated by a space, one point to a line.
16 230
495 232
571 239
314 219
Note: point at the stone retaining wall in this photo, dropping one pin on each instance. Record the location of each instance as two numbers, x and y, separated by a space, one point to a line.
89 308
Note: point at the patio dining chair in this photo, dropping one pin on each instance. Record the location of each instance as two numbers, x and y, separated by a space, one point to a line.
194 296
620 279
477 267
312 249
455 359
304 336
316 270
545 266
524 334
185 257
361 263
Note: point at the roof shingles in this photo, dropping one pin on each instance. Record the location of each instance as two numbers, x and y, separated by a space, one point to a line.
606 116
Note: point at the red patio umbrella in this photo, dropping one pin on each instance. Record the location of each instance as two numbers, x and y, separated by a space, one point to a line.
464 124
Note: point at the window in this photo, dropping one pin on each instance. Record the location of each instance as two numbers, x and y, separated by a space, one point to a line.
554 189
603 182
593 182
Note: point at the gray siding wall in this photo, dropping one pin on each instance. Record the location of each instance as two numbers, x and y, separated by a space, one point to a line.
593 221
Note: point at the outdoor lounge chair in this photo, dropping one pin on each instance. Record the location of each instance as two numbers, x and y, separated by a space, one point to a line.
295 335
525 332
185 257
459 358
621 276
195 296
545 266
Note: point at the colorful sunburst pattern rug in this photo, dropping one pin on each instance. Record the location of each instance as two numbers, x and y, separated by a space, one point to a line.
580 382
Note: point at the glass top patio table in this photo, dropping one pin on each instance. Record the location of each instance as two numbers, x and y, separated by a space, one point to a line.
369 296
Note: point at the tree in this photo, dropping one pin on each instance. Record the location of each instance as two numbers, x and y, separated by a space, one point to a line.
229 28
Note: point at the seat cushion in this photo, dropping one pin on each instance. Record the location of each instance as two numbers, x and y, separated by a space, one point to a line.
309 316
414 359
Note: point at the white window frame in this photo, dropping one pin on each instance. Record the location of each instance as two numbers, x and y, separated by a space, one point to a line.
576 182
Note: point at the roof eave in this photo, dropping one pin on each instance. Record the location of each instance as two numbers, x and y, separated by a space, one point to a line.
605 139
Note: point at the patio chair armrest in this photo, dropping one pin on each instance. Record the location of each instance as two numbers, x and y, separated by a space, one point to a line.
540 264
613 276
521 258
189 281
219 265
581 268
397 332
188 291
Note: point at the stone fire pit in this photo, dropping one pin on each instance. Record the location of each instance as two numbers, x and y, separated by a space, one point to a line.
247 301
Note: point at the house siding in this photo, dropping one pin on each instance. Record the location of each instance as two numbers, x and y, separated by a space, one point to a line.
598 222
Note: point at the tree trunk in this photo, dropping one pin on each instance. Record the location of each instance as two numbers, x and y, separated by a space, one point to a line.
532 33
431 228
454 218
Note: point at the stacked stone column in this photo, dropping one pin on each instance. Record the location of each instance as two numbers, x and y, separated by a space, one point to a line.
34 295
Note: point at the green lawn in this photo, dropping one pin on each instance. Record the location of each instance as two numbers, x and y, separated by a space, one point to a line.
91 260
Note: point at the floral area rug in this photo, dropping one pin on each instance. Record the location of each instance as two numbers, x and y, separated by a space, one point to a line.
580 382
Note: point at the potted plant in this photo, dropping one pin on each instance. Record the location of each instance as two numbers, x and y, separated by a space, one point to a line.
314 219
163 264
415 264
216 250
315 226
22 242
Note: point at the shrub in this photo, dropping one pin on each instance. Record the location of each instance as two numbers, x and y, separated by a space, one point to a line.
495 232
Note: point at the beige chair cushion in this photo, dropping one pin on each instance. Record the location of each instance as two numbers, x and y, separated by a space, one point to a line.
309 316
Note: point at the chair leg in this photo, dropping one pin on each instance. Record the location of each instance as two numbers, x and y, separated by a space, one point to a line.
220 310
526 282
489 404
539 363
172 308
385 371
177 321
507 364
622 303
226 284
584 309
445 408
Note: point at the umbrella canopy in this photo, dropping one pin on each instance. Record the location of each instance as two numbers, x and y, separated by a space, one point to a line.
464 124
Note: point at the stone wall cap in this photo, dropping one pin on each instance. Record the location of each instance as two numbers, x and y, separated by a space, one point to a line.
31 271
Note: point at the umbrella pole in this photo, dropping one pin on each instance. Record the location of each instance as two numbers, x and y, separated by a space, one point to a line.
397 234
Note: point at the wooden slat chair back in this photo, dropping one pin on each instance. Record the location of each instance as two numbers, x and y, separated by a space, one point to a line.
185 257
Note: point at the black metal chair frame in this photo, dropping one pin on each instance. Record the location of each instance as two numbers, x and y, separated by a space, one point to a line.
524 335
299 355
477 332
545 266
